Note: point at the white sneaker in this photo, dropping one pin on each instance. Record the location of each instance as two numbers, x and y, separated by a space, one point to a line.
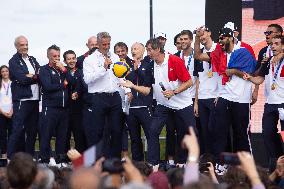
52 162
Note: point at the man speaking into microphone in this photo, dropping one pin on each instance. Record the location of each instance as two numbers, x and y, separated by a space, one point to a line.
106 100
170 82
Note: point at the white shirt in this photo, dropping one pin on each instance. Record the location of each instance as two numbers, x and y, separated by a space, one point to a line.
97 78
190 68
34 87
208 86
236 89
6 96
178 101
275 96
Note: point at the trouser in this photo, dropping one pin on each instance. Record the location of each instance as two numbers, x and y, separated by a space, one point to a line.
171 138
24 124
206 116
106 105
76 127
138 117
272 140
227 114
5 131
183 119
124 134
54 122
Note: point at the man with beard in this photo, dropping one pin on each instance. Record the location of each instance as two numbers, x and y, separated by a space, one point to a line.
232 104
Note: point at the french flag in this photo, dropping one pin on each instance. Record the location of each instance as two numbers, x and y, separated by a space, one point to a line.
87 159
240 59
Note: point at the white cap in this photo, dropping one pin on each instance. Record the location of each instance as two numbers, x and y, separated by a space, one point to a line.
160 34
231 25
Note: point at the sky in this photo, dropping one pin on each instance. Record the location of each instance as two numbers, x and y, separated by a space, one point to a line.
69 23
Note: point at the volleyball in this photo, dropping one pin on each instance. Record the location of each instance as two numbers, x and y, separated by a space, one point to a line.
120 69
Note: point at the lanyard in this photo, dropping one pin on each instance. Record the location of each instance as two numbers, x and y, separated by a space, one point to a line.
189 59
277 70
6 89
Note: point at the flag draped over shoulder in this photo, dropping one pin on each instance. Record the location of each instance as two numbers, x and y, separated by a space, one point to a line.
240 59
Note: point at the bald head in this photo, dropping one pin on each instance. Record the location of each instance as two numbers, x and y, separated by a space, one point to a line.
84 178
92 42
21 44
137 51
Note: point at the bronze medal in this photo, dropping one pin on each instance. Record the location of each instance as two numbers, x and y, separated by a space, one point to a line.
6 100
273 86
210 74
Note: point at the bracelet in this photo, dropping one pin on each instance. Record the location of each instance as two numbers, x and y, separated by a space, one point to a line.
192 159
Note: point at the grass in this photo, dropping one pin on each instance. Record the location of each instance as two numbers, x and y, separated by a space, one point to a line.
162 144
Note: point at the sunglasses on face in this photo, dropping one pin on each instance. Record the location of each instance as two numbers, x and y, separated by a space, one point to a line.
268 32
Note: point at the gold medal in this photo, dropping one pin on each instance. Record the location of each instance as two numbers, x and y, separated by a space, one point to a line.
210 73
273 86
6 100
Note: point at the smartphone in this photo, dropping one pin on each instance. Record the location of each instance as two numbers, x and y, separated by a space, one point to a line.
204 167
229 158
3 162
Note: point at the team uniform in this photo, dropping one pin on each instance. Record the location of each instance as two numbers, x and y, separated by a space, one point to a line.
171 73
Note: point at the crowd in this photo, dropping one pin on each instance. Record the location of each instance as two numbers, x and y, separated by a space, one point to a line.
206 90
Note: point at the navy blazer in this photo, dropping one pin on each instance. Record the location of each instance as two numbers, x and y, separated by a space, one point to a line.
54 92
21 84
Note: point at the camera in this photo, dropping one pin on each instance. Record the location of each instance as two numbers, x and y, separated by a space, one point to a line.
113 166
229 158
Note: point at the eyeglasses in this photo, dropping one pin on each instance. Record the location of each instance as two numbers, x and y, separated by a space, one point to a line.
268 32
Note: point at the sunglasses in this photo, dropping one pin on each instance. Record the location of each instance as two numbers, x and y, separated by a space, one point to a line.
268 32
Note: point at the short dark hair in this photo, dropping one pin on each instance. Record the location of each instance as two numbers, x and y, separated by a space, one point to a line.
187 32
175 177
176 37
155 44
53 47
68 52
277 26
120 44
21 171
281 37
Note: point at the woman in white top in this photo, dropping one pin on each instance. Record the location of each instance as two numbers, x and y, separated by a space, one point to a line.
6 110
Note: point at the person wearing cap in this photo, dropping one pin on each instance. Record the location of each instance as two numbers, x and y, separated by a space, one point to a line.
162 37
272 74
170 126
239 43
206 91
232 104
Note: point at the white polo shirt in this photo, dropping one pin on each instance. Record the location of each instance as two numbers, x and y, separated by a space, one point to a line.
275 96
236 89
208 86
178 101
98 78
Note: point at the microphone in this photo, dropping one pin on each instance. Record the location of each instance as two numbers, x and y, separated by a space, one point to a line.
108 56
163 88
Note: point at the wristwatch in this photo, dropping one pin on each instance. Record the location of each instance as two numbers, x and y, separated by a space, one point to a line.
192 159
